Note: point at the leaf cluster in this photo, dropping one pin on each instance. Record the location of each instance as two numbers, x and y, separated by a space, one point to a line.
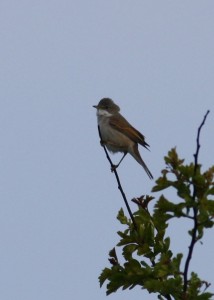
194 188
147 260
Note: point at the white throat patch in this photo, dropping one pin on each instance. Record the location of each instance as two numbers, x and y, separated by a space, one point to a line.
102 112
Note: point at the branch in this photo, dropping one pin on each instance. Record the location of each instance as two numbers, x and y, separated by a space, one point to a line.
198 142
118 180
195 209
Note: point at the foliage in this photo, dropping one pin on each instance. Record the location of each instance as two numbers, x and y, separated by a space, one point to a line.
148 260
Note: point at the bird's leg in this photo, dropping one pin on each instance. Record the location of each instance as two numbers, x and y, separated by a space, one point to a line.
114 167
121 159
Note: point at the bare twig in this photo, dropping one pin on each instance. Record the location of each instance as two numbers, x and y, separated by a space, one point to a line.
195 209
198 141
118 180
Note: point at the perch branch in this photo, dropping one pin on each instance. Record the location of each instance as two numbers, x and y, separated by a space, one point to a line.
118 180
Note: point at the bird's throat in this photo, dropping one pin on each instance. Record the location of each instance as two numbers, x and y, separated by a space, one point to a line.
103 112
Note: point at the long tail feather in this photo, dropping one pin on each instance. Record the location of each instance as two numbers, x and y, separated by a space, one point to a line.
135 153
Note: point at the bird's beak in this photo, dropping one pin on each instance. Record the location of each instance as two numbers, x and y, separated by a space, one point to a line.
95 106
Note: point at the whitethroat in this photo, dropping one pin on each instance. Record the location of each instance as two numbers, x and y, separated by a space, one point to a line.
117 134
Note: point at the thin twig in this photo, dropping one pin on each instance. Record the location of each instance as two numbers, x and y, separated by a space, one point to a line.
118 180
198 141
195 209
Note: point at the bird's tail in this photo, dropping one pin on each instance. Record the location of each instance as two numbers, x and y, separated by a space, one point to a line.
135 153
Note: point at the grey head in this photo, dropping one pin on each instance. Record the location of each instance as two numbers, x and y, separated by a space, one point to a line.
108 105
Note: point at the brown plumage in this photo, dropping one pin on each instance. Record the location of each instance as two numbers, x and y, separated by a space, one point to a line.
118 134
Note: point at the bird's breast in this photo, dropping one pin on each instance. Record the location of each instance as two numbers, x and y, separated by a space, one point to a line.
114 140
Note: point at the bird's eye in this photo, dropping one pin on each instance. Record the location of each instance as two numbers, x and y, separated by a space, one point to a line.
106 107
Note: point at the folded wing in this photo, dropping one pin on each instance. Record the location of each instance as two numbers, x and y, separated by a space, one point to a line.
127 129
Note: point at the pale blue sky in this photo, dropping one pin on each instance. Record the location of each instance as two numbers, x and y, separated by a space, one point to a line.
59 199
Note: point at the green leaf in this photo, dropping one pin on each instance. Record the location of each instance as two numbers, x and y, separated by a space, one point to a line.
173 160
161 184
122 218
104 275
211 191
128 250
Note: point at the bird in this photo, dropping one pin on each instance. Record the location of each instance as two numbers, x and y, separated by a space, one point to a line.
117 134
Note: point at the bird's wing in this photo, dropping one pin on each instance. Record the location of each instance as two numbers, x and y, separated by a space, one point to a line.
127 129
